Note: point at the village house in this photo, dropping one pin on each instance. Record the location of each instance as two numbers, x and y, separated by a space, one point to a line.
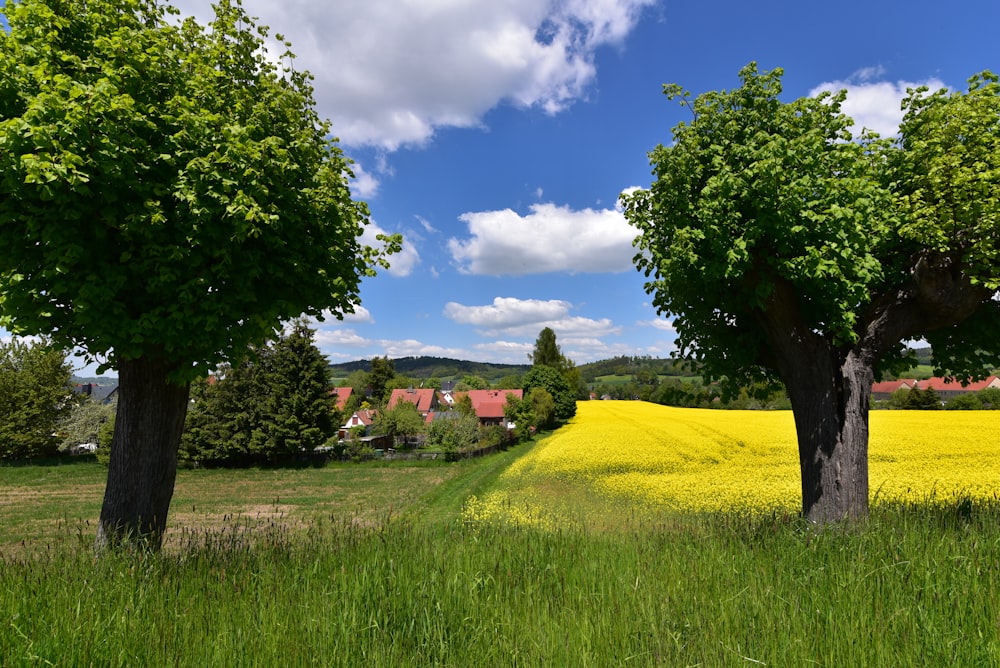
363 417
945 389
884 390
950 389
342 395
425 399
489 405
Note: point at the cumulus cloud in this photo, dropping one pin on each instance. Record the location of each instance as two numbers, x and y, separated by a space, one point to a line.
509 316
659 323
402 263
549 239
507 312
872 104
388 73
364 184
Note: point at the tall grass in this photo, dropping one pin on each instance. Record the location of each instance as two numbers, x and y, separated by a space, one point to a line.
910 586
374 566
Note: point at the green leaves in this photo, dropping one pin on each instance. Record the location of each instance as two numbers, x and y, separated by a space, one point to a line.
35 393
756 193
165 186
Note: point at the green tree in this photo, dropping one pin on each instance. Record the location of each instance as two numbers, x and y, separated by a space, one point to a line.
547 351
168 196
399 422
380 378
453 432
83 421
509 382
965 402
555 384
520 412
298 410
543 406
35 394
472 382
786 249
268 409
990 398
922 400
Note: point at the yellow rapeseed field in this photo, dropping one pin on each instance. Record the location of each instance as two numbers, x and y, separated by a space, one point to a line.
639 456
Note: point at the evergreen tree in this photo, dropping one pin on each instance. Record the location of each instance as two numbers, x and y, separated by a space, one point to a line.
298 409
546 350
34 395
381 373
266 410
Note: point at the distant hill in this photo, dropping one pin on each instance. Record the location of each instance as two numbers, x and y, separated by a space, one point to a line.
436 367
446 368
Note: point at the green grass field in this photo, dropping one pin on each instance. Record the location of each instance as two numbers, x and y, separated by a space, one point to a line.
371 565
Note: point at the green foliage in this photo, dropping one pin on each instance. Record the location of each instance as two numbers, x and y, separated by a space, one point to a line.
509 382
268 409
990 398
470 382
547 351
521 413
763 210
965 402
379 378
453 432
166 188
35 395
555 384
543 407
83 422
399 422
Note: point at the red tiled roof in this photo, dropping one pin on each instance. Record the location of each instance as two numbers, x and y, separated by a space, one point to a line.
360 418
890 386
342 394
490 403
942 385
422 398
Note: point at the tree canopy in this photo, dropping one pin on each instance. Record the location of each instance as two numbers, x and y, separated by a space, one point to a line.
168 196
268 409
789 250
164 185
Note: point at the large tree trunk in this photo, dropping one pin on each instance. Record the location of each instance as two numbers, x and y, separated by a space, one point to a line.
143 465
830 405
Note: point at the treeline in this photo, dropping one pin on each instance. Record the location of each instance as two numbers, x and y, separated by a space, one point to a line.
929 399
628 365
435 367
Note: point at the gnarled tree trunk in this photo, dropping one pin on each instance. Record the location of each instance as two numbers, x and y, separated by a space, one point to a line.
143 464
830 405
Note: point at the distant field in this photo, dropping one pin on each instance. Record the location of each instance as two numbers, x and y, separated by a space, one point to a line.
622 380
624 457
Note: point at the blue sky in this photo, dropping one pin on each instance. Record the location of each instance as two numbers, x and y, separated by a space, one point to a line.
496 136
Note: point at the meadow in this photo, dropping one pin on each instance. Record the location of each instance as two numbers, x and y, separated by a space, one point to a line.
598 548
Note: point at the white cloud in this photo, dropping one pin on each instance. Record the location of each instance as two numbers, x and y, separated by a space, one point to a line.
364 185
388 73
551 238
507 312
875 105
508 316
659 323
400 264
